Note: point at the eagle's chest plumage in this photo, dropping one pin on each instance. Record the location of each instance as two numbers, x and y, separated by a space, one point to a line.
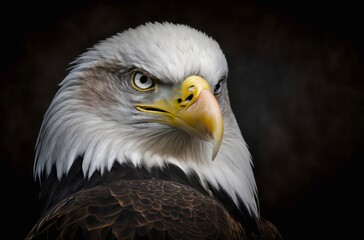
127 201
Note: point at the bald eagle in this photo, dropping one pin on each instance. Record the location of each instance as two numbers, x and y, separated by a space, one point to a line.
140 142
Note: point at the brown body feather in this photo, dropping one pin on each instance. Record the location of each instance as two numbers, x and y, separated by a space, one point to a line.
153 209
142 209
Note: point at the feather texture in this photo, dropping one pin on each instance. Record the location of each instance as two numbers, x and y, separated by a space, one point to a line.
139 208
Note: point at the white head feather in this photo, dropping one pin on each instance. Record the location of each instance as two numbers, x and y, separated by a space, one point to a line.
92 115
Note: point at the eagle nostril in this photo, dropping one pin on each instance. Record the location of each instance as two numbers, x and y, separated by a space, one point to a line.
189 98
179 100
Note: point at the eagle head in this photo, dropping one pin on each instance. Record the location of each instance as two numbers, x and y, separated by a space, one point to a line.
151 96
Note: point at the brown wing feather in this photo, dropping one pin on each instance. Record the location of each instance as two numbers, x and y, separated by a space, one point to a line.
154 209
268 231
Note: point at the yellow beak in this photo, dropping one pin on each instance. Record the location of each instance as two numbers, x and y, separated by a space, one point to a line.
194 110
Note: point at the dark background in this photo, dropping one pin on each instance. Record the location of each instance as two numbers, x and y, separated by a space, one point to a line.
296 86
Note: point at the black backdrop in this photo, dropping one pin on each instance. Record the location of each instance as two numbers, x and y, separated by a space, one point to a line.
295 83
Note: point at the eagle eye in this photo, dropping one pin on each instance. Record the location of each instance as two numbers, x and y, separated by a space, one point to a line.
142 82
218 88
